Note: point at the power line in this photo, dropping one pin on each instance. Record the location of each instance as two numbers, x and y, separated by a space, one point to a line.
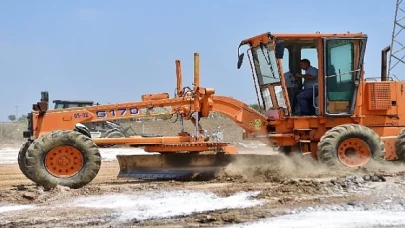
396 46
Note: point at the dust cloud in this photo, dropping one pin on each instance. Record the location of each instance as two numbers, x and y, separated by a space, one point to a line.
276 167
252 167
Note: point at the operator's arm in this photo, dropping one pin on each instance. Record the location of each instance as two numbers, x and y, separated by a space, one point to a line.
310 75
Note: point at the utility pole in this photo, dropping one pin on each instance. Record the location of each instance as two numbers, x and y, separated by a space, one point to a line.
397 47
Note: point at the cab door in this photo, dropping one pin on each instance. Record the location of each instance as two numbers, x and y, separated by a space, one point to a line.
343 64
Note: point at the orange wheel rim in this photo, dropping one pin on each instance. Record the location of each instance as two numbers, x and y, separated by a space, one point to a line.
354 152
64 161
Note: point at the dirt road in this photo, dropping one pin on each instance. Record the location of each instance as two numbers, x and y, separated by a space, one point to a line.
296 193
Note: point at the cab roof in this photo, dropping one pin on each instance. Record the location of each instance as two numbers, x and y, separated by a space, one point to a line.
266 37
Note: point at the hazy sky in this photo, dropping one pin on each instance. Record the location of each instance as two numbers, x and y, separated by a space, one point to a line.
115 51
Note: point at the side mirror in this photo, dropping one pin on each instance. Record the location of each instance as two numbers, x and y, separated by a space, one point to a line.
240 60
280 45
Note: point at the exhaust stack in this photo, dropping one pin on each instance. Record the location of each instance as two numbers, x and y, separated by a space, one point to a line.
384 64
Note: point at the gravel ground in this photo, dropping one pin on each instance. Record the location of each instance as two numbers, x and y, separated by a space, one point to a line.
289 192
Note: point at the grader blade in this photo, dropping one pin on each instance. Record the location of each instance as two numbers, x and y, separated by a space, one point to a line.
171 166
184 166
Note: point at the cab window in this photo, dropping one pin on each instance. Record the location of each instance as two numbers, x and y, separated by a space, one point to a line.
339 70
59 106
72 105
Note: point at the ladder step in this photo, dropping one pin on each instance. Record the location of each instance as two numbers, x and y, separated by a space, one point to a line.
304 141
303 129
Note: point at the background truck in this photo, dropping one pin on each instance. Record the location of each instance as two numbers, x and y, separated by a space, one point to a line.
102 129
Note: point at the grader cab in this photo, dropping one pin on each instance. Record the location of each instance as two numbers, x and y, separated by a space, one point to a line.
354 122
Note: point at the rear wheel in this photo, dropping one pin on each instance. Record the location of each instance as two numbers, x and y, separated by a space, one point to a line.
115 133
64 157
21 159
400 146
350 146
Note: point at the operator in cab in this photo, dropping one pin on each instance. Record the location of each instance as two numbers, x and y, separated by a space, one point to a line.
310 79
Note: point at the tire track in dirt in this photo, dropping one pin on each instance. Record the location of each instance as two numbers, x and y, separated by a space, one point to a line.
11 176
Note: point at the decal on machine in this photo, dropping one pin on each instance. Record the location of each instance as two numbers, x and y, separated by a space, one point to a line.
117 112
81 115
257 124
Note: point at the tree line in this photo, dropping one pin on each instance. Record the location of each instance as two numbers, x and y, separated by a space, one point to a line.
21 119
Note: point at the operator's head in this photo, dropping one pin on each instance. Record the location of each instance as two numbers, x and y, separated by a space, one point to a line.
304 64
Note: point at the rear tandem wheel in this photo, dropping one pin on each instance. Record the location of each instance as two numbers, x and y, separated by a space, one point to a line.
400 146
62 157
350 146
21 159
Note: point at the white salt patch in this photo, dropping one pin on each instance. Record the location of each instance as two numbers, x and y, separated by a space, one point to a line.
333 219
252 145
8 208
8 155
9 149
151 205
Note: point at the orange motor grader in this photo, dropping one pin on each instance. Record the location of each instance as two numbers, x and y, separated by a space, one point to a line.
354 121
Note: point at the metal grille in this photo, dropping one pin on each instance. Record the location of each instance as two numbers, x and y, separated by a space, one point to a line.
380 96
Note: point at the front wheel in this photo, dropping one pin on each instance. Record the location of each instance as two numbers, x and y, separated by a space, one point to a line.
63 157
